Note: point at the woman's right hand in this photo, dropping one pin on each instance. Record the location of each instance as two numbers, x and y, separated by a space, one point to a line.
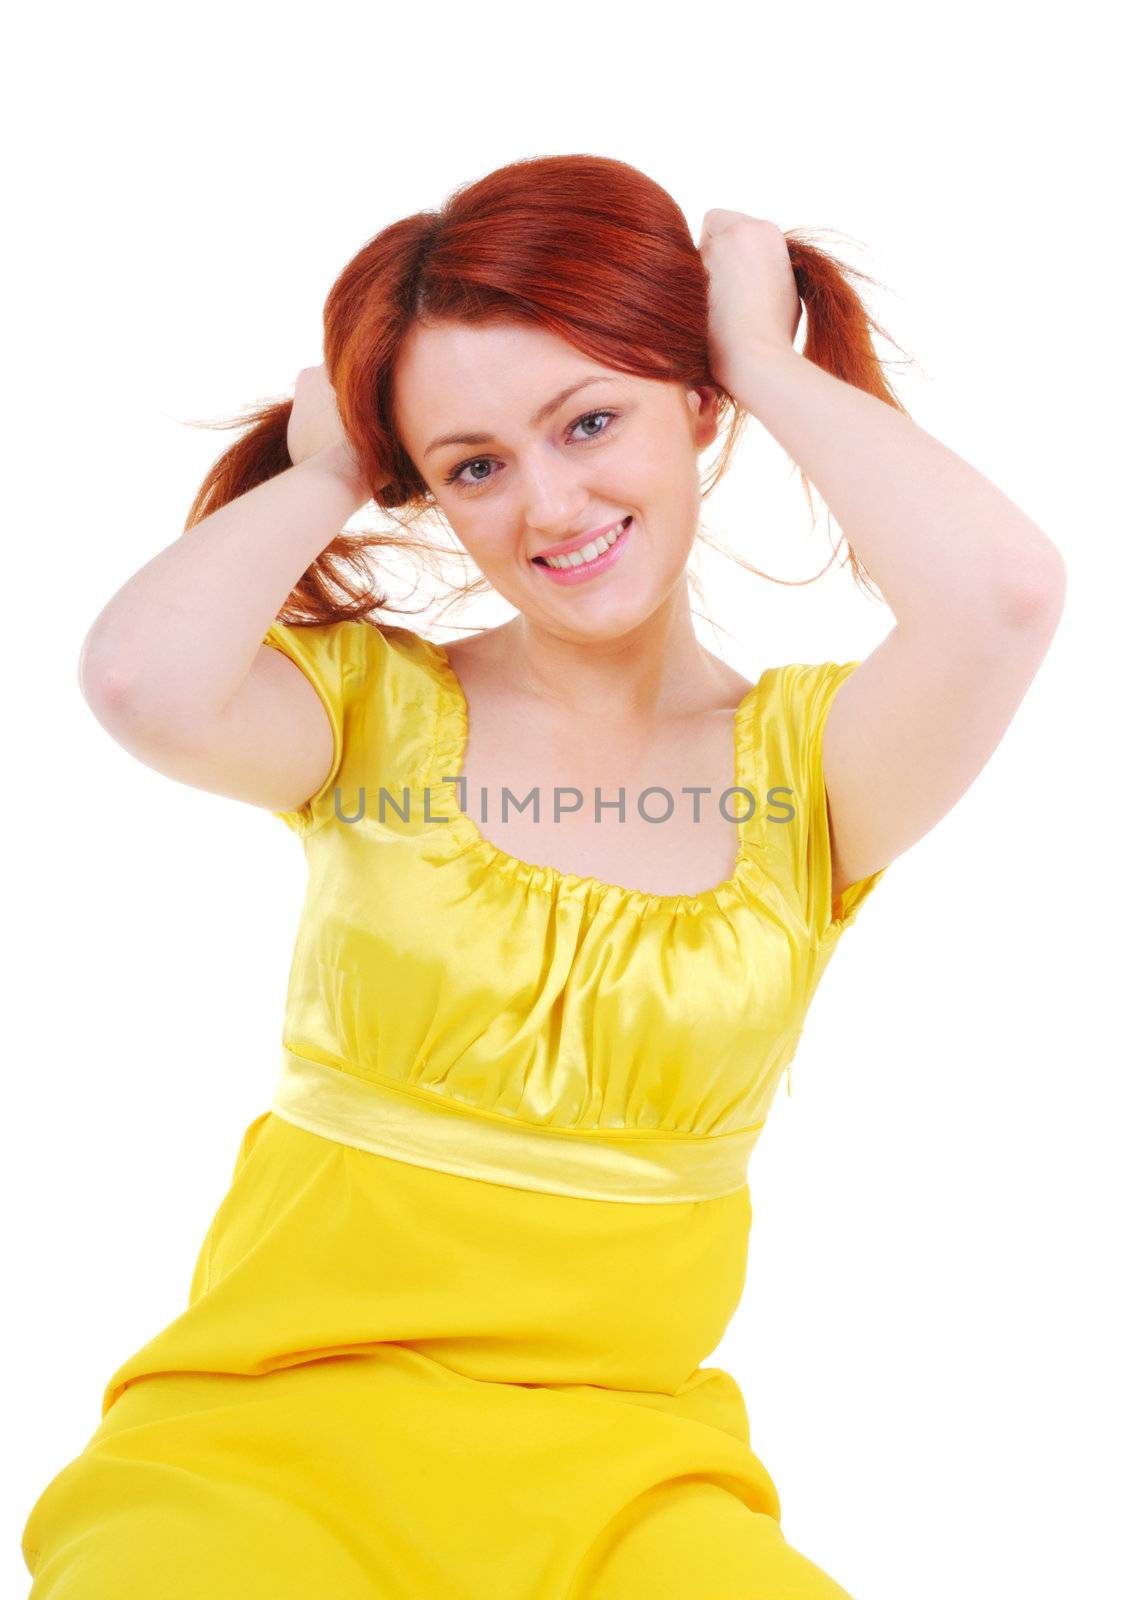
314 424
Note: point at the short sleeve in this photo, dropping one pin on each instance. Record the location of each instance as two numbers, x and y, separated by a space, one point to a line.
341 661
803 696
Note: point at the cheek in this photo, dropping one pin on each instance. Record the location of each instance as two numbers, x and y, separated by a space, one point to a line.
641 464
486 538
672 495
662 478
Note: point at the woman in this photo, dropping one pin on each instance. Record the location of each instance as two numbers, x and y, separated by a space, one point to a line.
445 1332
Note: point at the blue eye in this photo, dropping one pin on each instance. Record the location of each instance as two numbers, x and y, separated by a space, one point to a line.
476 483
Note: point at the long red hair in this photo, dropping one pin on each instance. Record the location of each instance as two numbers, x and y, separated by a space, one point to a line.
583 246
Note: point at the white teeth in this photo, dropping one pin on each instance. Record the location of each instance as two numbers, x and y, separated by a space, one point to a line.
588 552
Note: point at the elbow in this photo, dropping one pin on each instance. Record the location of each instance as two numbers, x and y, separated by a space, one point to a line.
104 682
135 709
1034 597
125 707
138 721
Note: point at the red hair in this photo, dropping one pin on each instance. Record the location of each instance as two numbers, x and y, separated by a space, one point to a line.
583 246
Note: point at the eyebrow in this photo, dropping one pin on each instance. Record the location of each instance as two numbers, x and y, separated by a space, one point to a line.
539 416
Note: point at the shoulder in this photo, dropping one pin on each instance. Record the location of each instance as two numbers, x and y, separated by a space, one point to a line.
382 687
800 693
345 646
788 715
731 687
793 706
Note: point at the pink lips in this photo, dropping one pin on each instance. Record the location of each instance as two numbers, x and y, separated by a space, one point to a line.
588 569
579 542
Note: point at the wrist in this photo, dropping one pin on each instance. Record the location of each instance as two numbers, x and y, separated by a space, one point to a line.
754 362
339 462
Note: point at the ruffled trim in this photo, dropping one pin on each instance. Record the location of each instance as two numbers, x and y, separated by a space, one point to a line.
450 744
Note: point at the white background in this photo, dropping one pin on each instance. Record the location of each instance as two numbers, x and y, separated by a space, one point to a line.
927 1343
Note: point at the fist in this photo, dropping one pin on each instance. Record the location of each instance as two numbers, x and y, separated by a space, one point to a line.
314 424
753 301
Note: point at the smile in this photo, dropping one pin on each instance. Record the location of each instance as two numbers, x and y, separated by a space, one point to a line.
590 559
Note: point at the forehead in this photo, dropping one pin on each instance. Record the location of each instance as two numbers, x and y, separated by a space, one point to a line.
457 350
453 375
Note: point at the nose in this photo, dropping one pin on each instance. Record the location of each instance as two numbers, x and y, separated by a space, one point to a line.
554 501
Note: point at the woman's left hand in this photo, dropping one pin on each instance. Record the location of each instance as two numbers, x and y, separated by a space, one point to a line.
754 305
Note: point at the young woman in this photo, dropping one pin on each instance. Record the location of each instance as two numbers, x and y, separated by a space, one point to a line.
445 1332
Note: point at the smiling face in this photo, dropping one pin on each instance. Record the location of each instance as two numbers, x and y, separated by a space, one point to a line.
539 471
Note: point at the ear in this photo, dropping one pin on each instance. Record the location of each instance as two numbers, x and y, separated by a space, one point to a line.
702 401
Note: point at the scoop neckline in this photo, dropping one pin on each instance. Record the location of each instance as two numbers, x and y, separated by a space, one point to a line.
449 748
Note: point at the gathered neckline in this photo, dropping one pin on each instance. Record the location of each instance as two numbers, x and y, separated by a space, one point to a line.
447 758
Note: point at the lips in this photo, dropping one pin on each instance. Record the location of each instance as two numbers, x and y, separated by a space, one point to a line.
582 571
571 545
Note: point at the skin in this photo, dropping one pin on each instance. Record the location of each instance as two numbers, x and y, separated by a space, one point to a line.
174 669
622 642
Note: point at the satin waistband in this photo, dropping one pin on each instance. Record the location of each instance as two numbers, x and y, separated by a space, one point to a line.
601 1164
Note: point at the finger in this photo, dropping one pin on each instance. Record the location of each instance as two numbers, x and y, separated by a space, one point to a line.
714 222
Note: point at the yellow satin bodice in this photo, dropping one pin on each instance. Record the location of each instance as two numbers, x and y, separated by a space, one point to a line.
447 975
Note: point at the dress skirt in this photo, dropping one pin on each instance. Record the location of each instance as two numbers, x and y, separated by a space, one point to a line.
398 1382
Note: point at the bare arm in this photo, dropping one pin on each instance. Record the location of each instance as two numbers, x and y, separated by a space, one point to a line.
976 587
173 666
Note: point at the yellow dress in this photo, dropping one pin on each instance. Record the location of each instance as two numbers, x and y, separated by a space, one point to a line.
445 1332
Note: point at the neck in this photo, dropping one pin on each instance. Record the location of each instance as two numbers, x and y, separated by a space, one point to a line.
658 669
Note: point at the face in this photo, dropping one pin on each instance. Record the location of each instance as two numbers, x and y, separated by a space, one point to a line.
537 474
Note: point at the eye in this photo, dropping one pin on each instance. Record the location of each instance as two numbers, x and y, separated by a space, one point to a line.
589 416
